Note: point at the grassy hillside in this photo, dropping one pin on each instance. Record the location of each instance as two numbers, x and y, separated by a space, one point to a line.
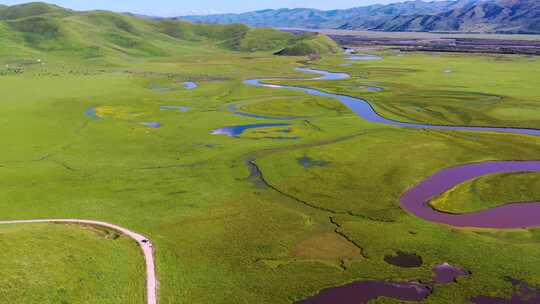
265 40
38 28
32 10
311 43
98 266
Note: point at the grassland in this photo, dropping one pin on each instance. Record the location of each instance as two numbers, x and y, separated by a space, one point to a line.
222 232
449 89
290 107
54 263
490 191
310 43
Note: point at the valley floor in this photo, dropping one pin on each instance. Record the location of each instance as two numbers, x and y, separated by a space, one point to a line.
277 213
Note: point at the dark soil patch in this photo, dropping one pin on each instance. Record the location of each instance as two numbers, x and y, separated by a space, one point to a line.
404 259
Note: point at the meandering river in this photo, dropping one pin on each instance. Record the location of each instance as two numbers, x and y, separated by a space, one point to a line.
364 109
416 199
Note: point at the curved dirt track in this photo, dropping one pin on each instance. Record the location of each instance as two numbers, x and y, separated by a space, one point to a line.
142 241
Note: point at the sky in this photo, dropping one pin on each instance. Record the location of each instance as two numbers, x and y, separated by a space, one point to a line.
169 8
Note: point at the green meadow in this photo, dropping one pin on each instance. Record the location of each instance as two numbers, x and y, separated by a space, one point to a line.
272 216
490 191
52 263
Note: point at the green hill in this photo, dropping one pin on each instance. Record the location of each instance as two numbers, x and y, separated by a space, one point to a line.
31 10
265 40
310 43
39 28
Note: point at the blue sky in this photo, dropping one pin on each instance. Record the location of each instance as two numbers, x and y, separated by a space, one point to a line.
180 7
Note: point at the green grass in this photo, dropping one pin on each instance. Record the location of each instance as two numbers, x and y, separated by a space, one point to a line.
292 107
311 43
490 191
222 235
46 30
31 10
265 40
452 89
57 263
331 186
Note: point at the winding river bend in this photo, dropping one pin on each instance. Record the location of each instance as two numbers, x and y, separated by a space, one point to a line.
416 199
363 109
516 215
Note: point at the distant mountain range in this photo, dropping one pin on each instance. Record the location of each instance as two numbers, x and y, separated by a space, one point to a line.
482 16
